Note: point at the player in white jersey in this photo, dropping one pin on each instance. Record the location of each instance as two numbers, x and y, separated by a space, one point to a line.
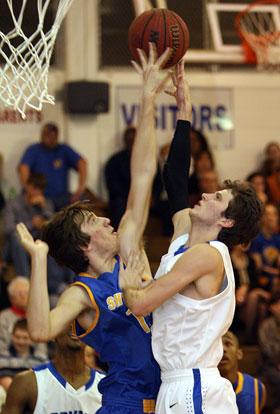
193 294
66 385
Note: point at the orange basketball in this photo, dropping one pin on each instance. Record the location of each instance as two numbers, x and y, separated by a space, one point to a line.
163 27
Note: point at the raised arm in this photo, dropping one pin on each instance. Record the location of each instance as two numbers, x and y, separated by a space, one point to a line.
144 154
43 324
176 169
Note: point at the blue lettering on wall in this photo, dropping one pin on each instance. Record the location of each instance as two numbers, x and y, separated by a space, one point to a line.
204 117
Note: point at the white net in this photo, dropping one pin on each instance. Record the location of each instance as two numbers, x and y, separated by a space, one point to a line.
24 76
261 33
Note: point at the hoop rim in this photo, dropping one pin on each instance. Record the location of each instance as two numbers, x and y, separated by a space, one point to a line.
246 10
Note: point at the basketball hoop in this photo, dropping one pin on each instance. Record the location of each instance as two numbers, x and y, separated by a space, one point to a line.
260 36
24 77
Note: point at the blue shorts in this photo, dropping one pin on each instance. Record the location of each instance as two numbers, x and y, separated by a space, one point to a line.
121 406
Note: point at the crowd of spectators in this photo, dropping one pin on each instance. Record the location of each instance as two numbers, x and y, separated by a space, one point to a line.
43 172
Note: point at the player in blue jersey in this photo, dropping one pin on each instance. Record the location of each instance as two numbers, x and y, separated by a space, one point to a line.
250 392
88 245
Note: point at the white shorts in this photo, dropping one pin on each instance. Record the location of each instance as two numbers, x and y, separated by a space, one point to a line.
195 391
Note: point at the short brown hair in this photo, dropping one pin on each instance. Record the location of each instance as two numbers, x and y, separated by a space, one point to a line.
20 324
64 236
246 209
38 180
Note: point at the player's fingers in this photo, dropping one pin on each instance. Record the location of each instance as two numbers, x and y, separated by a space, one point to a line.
137 67
164 57
143 58
168 92
152 53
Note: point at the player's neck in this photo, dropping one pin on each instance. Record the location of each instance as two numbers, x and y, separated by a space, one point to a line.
201 234
231 376
99 264
71 366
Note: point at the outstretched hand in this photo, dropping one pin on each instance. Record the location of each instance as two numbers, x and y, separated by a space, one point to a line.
150 68
32 247
131 276
181 92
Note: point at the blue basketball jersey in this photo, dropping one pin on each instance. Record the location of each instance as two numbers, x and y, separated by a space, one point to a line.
249 393
122 340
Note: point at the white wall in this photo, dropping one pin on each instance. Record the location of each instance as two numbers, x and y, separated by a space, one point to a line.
256 102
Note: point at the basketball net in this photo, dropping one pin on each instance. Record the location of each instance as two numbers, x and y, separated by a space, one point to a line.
260 37
24 76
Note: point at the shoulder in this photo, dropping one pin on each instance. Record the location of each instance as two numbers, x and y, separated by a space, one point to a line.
25 380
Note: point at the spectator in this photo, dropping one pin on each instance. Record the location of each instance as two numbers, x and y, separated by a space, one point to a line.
65 385
257 179
265 251
54 160
250 392
18 290
117 175
245 274
204 161
269 343
208 182
198 143
271 162
33 209
19 356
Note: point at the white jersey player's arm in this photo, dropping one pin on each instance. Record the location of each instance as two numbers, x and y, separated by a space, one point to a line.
202 265
144 156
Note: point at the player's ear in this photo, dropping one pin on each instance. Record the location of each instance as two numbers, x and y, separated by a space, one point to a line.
239 354
227 222
85 248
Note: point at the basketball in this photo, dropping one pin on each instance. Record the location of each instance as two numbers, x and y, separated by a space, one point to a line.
163 27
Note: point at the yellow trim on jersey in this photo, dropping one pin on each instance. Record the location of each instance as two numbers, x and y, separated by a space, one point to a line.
257 408
97 311
240 383
87 275
149 406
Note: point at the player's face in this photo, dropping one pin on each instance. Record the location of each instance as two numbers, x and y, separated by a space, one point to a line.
231 354
211 207
103 238
68 340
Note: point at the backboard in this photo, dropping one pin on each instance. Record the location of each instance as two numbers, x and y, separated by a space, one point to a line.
222 17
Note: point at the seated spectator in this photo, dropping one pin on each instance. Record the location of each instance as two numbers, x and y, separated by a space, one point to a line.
257 179
265 251
208 182
117 175
271 162
250 392
245 274
65 385
54 160
273 185
198 143
18 289
269 343
19 356
204 161
33 209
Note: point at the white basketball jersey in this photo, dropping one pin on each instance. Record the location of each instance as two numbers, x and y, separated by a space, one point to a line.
56 396
186 333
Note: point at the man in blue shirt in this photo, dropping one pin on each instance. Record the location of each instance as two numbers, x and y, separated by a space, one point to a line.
54 160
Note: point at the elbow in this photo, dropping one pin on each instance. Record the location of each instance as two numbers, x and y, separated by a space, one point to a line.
37 335
141 309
